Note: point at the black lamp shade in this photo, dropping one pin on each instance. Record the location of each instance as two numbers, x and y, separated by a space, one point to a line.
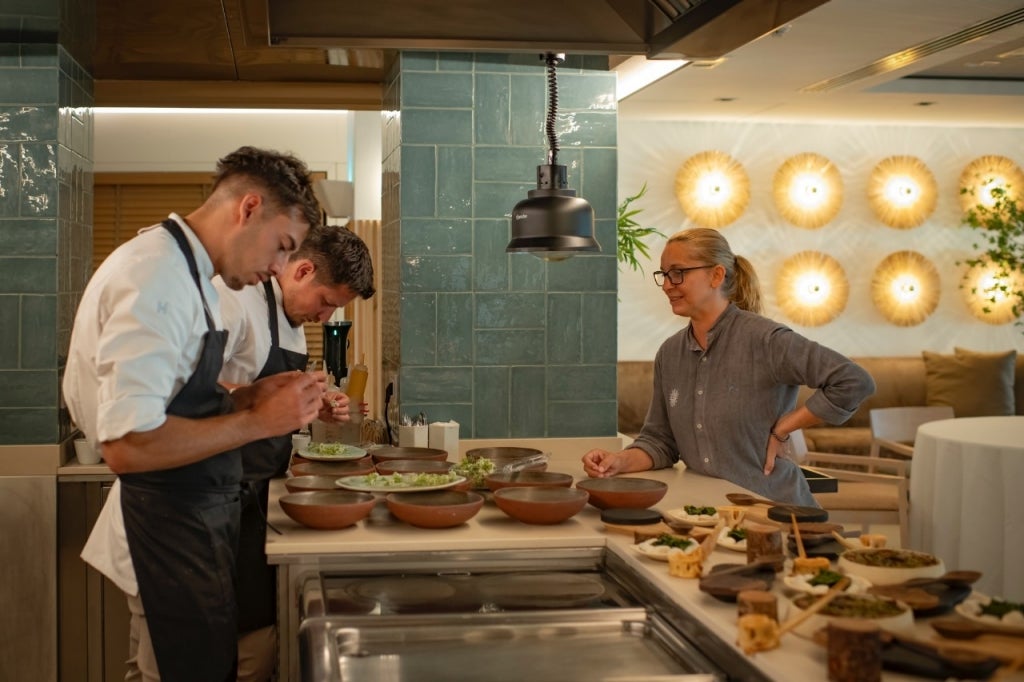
552 223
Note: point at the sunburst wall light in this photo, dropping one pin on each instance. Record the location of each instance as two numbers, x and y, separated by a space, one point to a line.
905 288
902 191
808 190
812 288
986 290
984 174
712 188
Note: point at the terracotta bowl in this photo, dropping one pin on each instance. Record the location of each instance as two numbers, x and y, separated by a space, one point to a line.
541 504
387 454
299 484
507 455
622 491
328 510
521 479
358 467
435 508
413 466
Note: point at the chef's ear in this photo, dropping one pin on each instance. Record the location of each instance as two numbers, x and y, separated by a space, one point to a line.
304 268
249 204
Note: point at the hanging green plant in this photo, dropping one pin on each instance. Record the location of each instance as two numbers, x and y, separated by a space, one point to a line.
1001 225
631 234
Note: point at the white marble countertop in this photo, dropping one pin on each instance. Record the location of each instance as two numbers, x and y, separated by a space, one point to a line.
797 658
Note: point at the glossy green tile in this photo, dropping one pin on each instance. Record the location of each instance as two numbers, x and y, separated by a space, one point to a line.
490 261
497 199
600 319
432 236
528 400
584 273
455 61
565 328
491 120
455 329
10 331
10 197
581 382
582 92
437 384
437 126
528 108
38 332
38 180
581 419
418 181
10 53
28 388
418 337
527 272
20 426
591 129
507 164
526 62
28 276
437 90
39 55
491 398
606 234
509 311
418 61
598 181
29 86
454 181
509 347
437 273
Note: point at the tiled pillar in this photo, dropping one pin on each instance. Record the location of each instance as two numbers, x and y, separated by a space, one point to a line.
45 208
505 344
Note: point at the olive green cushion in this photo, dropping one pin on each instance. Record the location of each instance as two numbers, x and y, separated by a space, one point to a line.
973 384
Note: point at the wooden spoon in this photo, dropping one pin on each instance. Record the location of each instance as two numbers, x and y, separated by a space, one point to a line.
966 629
799 540
846 542
824 601
746 500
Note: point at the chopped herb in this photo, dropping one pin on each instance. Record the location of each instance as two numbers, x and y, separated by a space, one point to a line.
669 541
693 510
825 577
738 534
999 608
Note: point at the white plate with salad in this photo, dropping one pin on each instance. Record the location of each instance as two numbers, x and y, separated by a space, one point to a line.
733 538
331 452
1001 614
695 514
659 547
394 483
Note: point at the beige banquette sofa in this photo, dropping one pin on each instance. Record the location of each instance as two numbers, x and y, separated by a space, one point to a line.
974 384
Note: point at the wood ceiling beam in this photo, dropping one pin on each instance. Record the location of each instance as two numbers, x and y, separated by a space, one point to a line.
239 94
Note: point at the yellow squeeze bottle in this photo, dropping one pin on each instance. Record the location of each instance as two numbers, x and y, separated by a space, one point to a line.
357 385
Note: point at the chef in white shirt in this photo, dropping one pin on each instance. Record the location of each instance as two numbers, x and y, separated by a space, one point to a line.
142 383
265 337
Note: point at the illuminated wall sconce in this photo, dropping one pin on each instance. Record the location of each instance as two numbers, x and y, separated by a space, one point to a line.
905 288
812 288
808 190
902 191
986 173
987 291
713 189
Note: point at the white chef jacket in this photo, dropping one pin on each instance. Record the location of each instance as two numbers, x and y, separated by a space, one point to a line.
136 341
246 318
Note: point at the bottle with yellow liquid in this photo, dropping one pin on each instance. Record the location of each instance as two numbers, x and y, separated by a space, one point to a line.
357 387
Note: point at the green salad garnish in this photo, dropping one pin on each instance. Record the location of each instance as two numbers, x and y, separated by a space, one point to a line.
329 449
825 577
693 510
738 534
397 480
999 608
669 541
475 470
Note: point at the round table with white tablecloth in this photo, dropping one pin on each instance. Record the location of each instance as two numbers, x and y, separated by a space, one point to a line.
967 498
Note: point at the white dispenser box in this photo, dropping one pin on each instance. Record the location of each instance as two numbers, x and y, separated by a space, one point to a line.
444 436
412 436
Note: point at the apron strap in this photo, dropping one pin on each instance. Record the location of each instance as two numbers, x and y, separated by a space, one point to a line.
179 236
268 286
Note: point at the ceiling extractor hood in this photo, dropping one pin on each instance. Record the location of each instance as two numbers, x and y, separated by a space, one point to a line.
655 28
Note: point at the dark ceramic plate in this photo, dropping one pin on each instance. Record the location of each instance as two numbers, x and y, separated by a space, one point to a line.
828 548
925 661
949 595
727 587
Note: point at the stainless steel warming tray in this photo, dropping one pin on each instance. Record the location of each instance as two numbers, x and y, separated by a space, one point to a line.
550 646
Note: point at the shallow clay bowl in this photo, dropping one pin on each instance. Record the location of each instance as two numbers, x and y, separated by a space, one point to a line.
435 508
327 510
391 453
629 492
299 484
413 466
891 574
358 467
541 504
520 479
503 456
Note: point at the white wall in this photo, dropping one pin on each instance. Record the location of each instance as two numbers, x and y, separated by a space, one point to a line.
652 152
345 145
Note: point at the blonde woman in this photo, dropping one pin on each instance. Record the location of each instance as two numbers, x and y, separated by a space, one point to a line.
725 387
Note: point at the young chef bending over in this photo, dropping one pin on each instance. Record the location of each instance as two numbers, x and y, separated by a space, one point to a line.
265 337
141 382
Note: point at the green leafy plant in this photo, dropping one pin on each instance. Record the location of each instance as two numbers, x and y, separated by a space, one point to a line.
631 234
1001 225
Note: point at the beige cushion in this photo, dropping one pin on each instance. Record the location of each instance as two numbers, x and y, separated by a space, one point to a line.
973 384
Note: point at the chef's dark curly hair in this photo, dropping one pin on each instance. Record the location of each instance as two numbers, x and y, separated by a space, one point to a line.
284 177
340 256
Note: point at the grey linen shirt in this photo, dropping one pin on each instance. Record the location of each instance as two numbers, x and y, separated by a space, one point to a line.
714 409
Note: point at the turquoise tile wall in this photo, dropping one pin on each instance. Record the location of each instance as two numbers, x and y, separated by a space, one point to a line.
46 205
505 344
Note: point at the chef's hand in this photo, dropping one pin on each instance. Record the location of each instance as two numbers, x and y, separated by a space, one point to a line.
602 464
774 449
284 402
334 407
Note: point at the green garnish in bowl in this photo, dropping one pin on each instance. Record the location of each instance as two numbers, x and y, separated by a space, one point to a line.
694 510
669 541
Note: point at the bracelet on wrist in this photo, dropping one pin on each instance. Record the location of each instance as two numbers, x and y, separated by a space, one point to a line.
780 438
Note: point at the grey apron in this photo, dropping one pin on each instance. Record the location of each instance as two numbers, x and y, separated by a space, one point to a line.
182 531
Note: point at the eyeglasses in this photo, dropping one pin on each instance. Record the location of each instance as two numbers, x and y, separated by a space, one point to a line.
675 275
